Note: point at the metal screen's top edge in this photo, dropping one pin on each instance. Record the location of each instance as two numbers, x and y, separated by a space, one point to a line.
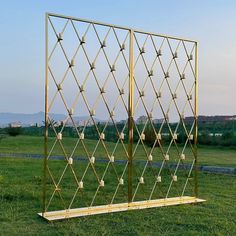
119 27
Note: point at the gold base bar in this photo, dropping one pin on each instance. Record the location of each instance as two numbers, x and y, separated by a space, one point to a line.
85 211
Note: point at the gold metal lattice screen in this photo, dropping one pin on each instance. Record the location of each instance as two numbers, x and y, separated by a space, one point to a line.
120 118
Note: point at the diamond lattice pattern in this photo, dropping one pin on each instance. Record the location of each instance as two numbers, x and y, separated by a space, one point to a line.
88 82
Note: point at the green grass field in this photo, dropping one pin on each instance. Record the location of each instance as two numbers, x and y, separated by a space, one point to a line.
214 156
21 192
20 197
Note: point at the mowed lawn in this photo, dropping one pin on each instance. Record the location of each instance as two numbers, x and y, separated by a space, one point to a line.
20 200
214 156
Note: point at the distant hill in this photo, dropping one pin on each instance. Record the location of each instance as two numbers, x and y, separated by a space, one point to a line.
28 119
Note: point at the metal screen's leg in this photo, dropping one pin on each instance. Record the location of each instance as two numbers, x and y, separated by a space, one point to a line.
196 123
46 116
130 115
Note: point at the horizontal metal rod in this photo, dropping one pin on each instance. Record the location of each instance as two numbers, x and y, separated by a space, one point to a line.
120 27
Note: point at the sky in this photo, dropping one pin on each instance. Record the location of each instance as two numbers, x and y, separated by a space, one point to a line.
211 22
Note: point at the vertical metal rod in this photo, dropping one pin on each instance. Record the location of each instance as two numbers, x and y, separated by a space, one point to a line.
46 116
196 123
130 115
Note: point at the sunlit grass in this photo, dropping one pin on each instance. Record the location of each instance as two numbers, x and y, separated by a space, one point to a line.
20 200
35 145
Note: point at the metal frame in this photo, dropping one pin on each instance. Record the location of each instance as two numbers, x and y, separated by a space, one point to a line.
131 105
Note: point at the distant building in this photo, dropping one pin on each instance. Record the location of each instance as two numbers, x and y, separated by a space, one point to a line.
15 125
210 119
215 134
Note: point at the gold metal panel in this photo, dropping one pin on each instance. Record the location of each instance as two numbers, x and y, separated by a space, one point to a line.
143 85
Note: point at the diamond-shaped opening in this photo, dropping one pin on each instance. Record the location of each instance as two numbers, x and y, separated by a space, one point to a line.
57 107
178 53
70 90
173 114
186 160
143 180
58 65
175 186
166 97
79 198
91 91
158 76
53 94
81 67
182 170
121 73
188 119
156 153
70 42
174 80
62 137
100 151
54 199
140 74
111 181
122 36
81 28
157 191
148 53
103 33
55 26
188 186
190 150
173 155
150 136
157 42
139 44
102 70
111 48
181 100
99 198
68 142
139 112
102 112
81 112
58 23
157 114
67 186
121 194
121 116
166 57
112 96
190 51
92 45
150 99
189 79
87 175
162 184
120 150
55 171
140 150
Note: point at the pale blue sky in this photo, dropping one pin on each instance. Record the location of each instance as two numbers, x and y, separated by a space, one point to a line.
211 22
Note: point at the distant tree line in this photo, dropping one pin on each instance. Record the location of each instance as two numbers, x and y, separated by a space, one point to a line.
210 133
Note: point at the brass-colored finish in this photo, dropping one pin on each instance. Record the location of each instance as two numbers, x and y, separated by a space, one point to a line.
72 213
131 116
196 122
147 72
46 117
